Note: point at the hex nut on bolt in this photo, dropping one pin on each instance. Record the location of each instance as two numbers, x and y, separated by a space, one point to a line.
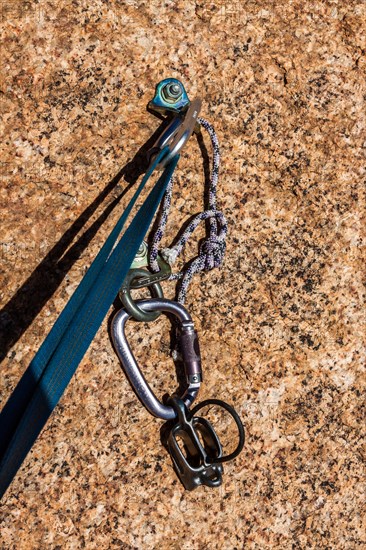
172 92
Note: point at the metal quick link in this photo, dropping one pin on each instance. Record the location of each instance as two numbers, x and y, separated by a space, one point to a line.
136 278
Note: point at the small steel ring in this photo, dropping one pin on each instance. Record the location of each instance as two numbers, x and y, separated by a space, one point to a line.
129 303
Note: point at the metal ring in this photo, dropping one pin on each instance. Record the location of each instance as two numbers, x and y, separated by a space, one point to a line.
237 420
178 133
129 303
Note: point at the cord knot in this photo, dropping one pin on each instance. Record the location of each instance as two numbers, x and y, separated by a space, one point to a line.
212 252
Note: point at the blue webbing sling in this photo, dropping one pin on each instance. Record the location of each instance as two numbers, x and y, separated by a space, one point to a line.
53 366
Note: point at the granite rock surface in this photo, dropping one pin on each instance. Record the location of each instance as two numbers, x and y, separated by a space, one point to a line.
281 324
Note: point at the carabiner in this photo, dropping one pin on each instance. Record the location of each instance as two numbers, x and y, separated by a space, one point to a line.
189 348
140 278
130 304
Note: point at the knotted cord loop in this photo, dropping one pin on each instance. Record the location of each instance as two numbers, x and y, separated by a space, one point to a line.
212 249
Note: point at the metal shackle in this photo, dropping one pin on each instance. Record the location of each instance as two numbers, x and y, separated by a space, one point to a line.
130 304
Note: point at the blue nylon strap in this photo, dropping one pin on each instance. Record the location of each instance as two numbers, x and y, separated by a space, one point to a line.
15 406
49 373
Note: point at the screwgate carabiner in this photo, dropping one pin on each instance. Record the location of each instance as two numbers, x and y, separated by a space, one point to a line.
189 349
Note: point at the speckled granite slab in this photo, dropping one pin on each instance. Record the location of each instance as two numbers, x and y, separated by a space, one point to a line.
281 324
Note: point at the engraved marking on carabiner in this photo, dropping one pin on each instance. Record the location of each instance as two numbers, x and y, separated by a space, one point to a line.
192 363
150 278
